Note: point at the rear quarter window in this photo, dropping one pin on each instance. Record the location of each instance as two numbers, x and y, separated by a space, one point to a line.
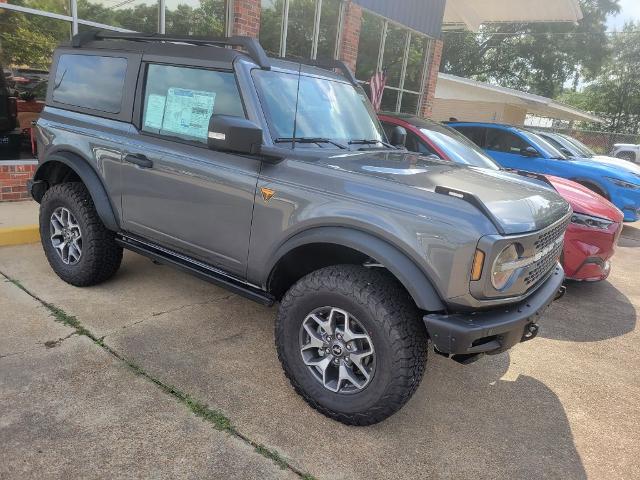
90 81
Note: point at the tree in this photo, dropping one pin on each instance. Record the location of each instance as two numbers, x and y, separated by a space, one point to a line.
538 58
615 93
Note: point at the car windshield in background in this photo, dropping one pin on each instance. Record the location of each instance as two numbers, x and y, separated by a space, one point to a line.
586 151
317 111
458 147
543 142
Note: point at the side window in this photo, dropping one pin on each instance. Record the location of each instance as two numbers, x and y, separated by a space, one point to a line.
503 141
90 81
414 144
178 101
475 134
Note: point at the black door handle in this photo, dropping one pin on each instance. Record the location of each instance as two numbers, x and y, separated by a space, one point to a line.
139 159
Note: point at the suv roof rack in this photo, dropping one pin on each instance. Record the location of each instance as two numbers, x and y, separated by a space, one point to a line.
330 64
251 45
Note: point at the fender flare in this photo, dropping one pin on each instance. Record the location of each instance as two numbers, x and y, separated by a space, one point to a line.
405 270
92 181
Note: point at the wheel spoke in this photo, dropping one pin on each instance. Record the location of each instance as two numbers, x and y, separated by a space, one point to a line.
346 374
349 335
315 338
357 358
326 325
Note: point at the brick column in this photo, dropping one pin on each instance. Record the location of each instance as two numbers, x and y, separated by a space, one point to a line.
350 35
432 79
13 179
246 18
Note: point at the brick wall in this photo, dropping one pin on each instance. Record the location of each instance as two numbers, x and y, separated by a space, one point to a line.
426 107
350 38
246 18
13 179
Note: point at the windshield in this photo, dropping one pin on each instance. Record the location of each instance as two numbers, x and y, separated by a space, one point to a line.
306 107
562 144
586 151
457 147
544 143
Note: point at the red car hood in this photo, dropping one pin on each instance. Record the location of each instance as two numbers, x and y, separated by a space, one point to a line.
583 200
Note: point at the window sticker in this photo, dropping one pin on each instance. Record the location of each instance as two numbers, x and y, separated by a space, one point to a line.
154 113
187 112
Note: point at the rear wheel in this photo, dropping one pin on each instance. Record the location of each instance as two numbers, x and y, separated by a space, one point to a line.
351 342
77 245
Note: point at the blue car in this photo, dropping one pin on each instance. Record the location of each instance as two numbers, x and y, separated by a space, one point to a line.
523 149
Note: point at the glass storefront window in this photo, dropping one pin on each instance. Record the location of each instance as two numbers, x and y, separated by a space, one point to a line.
394 47
137 15
409 102
27 43
195 17
271 25
389 100
415 62
369 45
300 28
328 32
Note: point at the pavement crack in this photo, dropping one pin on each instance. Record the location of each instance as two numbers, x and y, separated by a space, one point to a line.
216 418
194 304
56 343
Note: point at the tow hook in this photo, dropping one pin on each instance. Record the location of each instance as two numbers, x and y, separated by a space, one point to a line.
560 293
530 332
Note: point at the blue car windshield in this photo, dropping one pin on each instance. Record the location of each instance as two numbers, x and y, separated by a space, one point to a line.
552 151
458 147
308 107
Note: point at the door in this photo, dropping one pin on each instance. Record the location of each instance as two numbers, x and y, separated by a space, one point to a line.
513 151
177 192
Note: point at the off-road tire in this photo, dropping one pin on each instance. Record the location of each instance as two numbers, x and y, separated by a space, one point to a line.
392 320
101 255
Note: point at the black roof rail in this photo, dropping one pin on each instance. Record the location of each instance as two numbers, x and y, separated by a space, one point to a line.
251 45
329 64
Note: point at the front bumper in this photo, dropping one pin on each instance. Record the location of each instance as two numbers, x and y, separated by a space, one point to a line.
587 252
493 331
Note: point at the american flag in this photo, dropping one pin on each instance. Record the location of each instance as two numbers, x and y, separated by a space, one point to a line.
376 85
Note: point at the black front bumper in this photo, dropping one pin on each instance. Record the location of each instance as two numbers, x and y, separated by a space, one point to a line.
493 331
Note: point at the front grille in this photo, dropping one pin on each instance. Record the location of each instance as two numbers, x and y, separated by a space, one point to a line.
541 267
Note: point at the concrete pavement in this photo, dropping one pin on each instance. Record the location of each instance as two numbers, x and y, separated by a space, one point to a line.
561 406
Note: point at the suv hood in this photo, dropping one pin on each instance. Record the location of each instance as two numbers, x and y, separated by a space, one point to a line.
518 204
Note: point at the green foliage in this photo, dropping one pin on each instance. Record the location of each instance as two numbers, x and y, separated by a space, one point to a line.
538 58
615 93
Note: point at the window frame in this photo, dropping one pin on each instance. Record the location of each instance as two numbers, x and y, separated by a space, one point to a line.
138 107
129 86
503 131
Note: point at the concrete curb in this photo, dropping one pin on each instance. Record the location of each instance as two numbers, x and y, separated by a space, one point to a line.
19 235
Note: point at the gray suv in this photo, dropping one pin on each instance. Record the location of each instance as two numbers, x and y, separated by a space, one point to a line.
274 179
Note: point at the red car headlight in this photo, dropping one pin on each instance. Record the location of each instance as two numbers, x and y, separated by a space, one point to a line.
590 221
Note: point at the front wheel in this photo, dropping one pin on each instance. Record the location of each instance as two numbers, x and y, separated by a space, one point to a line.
351 342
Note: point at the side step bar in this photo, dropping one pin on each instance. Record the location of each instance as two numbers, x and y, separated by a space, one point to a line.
197 268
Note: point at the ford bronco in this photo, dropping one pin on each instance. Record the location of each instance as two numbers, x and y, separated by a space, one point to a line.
274 179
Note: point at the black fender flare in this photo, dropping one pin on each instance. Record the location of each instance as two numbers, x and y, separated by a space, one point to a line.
90 178
402 267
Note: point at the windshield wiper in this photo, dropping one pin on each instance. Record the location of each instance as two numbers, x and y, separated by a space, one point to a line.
364 141
309 140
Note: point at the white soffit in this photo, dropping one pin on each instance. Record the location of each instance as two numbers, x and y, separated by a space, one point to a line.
471 14
451 87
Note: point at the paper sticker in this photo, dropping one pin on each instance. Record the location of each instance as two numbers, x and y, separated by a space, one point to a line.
155 111
187 112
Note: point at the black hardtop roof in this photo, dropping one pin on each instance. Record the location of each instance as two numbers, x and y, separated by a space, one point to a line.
205 48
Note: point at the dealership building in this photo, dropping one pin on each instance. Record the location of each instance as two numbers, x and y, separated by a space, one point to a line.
399 36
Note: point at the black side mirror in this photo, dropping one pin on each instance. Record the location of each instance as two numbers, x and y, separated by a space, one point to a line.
234 134
529 152
398 136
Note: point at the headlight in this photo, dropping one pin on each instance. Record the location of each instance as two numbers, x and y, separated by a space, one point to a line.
589 221
623 184
502 272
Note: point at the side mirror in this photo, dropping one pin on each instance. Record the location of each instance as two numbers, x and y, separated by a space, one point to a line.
529 152
398 136
234 134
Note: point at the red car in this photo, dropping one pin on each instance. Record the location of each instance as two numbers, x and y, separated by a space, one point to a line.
596 223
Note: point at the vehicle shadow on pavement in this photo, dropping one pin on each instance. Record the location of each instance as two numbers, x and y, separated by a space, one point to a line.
583 314
630 236
476 421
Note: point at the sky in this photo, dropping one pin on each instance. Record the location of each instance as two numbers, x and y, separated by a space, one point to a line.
629 10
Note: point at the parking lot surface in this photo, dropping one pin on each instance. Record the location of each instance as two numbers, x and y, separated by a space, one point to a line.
562 406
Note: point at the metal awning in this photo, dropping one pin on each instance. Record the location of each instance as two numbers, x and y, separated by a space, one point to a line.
471 14
451 87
